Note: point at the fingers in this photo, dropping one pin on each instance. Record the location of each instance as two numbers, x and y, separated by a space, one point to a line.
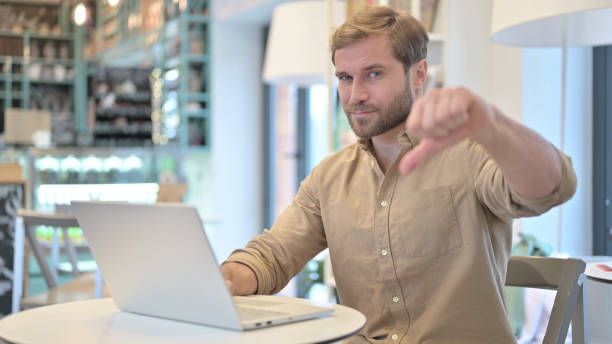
439 113
230 286
442 118
240 279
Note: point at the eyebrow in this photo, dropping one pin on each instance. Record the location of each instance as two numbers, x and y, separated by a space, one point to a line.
375 66
370 67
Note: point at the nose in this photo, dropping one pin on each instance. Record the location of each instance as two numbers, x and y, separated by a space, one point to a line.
359 93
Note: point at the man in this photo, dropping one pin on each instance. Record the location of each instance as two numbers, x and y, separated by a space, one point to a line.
421 253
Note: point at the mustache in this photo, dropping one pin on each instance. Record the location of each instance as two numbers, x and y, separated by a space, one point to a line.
360 108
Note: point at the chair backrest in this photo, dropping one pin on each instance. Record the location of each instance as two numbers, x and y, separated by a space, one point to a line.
31 219
564 275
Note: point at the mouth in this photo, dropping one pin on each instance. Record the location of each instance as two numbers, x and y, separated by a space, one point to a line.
362 114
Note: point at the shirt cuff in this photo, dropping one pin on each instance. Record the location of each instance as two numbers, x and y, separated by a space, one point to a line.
265 280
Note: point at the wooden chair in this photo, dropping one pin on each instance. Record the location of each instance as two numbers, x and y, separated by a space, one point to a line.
82 287
566 276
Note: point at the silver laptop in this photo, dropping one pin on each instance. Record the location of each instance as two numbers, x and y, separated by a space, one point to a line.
156 260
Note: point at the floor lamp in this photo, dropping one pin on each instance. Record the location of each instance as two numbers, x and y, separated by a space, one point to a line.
553 23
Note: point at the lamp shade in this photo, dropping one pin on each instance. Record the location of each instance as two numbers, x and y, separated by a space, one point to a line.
539 23
297 51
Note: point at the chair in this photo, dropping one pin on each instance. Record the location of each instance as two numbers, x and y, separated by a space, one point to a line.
564 275
85 286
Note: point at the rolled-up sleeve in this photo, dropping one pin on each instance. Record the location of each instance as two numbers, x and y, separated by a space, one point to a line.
494 191
297 236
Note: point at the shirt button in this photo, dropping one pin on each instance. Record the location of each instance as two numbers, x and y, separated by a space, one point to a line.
384 203
394 337
395 299
384 252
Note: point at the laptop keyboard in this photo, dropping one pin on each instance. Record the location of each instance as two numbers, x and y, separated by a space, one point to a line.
246 301
248 313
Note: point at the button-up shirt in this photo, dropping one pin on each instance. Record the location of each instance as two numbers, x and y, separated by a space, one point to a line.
423 256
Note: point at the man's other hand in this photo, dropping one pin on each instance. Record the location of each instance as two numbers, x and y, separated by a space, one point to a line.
240 279
442 118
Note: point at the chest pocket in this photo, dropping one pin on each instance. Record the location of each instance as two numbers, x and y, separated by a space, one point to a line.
425 224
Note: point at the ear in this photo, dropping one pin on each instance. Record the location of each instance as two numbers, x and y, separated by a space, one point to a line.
418 76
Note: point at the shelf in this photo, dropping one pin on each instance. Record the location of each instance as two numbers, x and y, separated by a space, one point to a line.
34 2
121 131
111 14
128 112
190 58
22 78
63 36
136 97
51 82
14 78
193 58
173 62
14 94
198 114
22 60
197 18
197 97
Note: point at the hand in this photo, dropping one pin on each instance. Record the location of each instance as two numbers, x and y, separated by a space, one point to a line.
441 119
240 279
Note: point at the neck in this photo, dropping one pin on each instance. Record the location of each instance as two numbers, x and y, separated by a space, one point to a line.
386 147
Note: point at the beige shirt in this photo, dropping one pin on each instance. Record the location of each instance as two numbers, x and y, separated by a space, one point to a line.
423 256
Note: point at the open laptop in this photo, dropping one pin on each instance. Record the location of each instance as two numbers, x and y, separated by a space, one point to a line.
156 260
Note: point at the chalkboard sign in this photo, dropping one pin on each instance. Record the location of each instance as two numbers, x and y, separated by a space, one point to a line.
12 198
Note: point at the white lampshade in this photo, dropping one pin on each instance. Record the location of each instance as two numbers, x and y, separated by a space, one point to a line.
298 43
540 22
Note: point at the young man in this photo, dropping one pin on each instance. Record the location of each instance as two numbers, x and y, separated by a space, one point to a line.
421 253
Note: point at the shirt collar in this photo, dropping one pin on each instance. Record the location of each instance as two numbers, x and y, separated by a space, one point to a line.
405 140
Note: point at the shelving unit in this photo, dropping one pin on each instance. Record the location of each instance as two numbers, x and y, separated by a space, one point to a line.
122 107
43 70
171 38
191 88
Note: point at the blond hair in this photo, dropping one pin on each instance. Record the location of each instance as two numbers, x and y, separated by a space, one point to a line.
408 36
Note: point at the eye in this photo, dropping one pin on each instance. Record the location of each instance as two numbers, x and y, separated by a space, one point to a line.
344 77
374 74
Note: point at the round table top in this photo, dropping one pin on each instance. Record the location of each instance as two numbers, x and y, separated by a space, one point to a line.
599 270
100 321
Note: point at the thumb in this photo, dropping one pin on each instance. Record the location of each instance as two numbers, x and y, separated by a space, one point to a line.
416 156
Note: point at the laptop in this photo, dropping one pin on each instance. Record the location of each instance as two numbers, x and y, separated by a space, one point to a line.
156 260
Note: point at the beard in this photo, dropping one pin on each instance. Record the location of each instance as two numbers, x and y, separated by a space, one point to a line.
386 118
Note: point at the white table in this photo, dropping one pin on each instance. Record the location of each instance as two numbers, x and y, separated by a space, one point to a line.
99 321
598 291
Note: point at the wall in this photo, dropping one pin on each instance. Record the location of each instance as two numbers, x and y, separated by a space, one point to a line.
236 147
541 112
473 60
525 85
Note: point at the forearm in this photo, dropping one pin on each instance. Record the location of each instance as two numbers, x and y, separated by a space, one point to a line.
529 163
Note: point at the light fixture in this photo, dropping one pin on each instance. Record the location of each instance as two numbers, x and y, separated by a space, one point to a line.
80 14
113 3
297 51
549 23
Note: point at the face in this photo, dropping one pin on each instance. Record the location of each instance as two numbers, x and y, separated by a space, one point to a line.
374 88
